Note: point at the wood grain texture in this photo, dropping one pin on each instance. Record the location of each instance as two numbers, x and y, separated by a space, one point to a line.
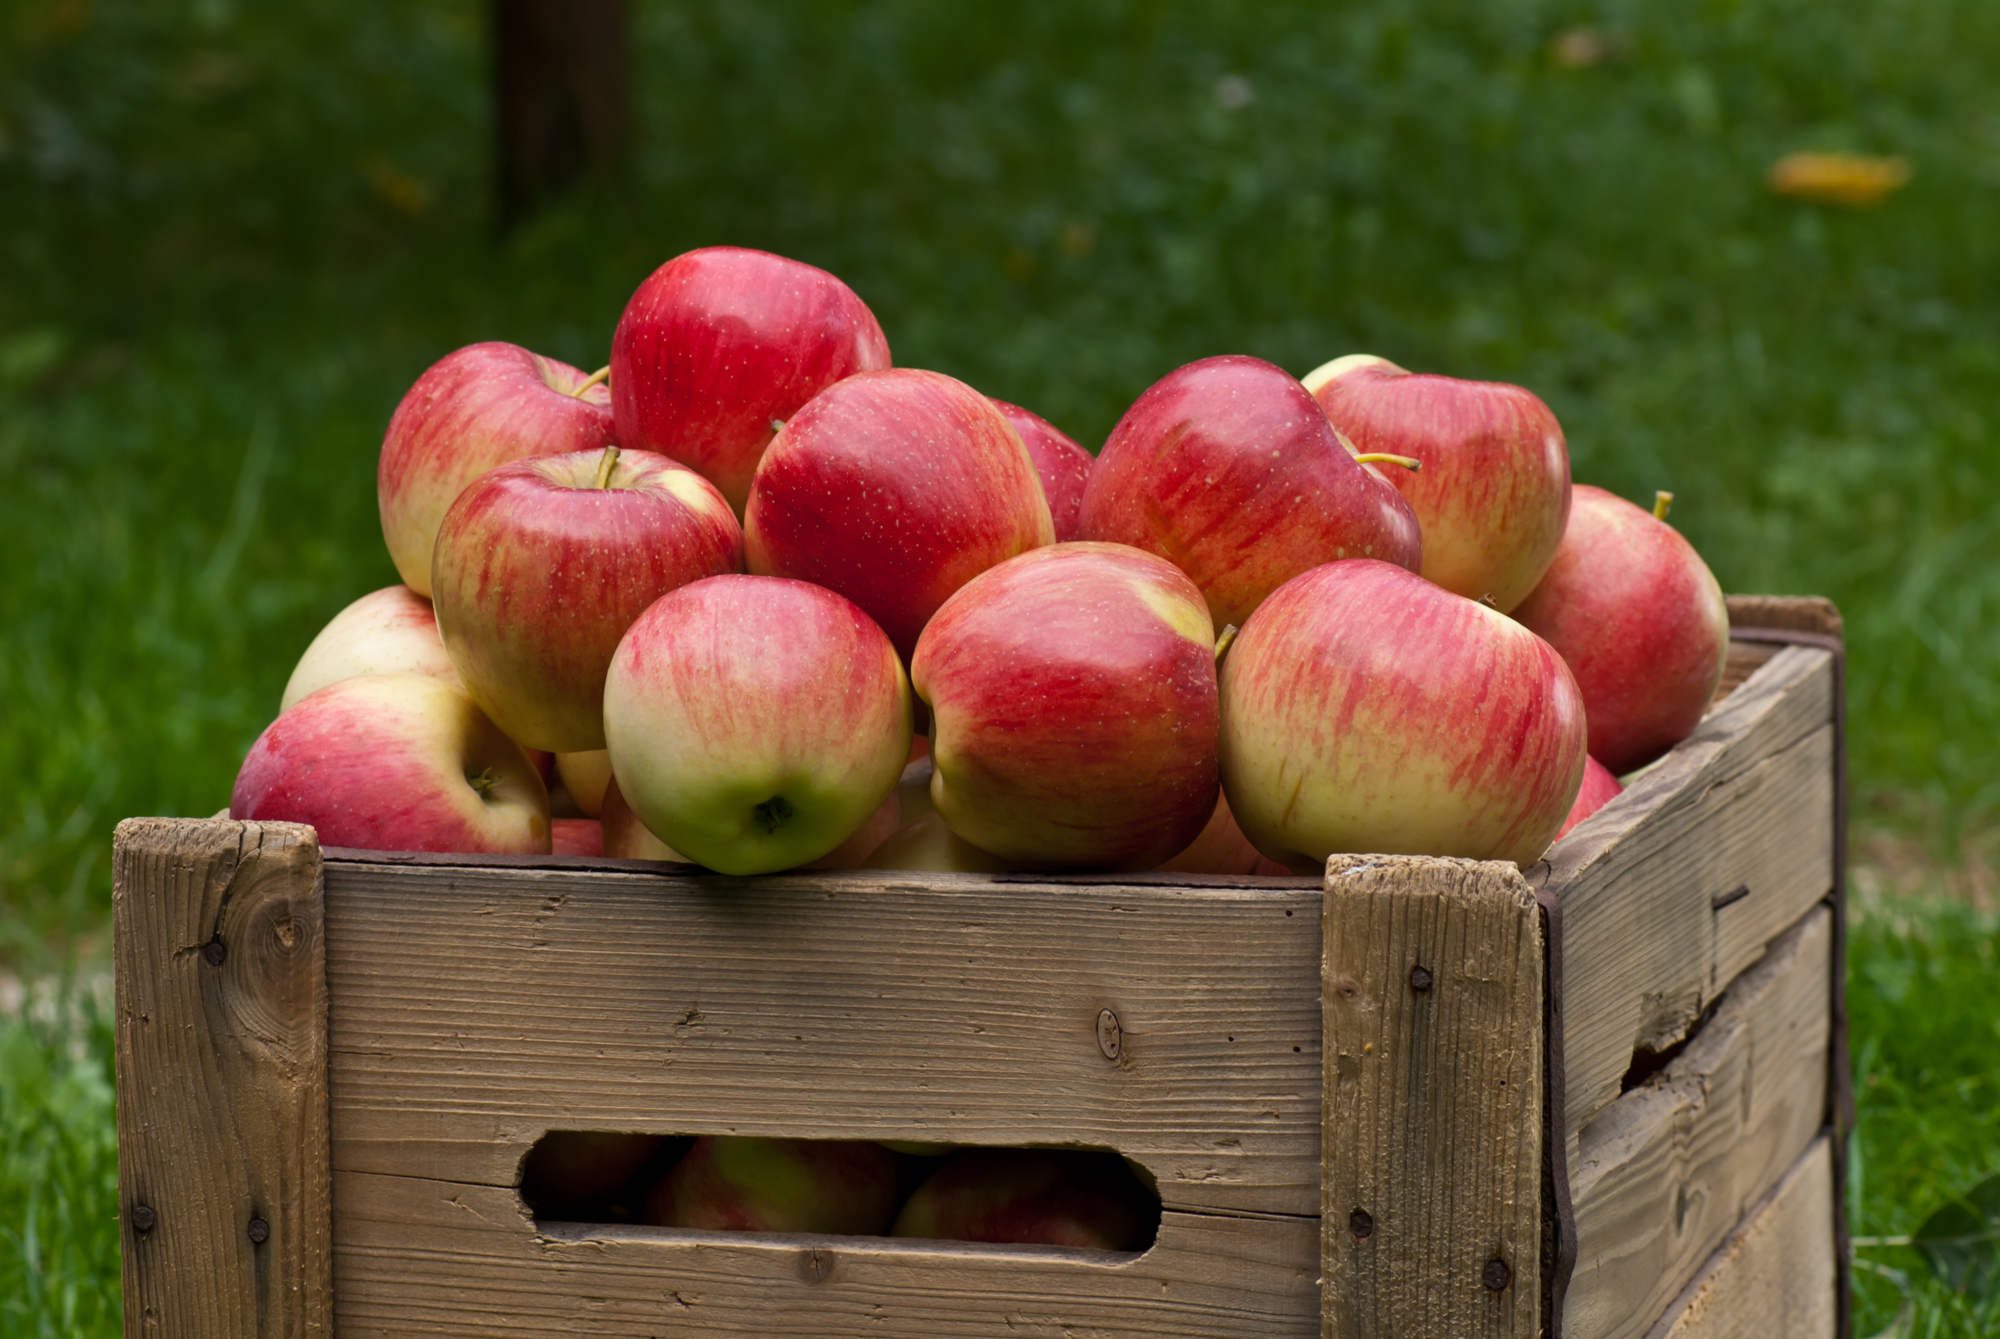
479 1007
1794 613
1669 1168
1431 1212
434 1257
222 1097
1774 1277
1745 803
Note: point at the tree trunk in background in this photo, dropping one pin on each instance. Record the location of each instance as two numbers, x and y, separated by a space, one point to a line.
562 96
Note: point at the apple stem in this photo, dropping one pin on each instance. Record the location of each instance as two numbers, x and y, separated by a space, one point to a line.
602 374
1491 603
482 782
1384 458
777 426
1223 642
605 464
1663 502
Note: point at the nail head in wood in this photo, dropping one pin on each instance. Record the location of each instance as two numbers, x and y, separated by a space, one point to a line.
1361 1224
1110 1039
143 1218
1496 1276
1420 979
260 1232
213 953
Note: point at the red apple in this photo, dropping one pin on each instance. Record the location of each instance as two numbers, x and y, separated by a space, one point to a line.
1365 709
389 631
473 411
1493 492
1640 619
1073 708
877 828
894 489
1599 789
577 836
541 566
1061 465
1227 468
845 1186
719 346
754 723
1032 1195
1219 848
395 762
626 837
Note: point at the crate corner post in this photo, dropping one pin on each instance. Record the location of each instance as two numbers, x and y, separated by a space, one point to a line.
224 1183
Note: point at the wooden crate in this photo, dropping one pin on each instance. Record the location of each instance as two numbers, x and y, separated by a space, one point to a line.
1602 1096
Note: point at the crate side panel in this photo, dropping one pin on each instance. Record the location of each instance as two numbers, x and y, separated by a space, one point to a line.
479 1007
1774 1278
1671 1167
1676 886
422 1256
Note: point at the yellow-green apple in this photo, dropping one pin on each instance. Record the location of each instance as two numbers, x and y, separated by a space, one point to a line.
745 1184
473 411
926 843
1640 619
1061 465
1599 789
894 488
395 762
1227 468
577 1170
721 345
541 565
1032 1195
389 631
913 789
576 836
1493 492
1073 708
1219 848
585 775
755 723
877 828
626 837
1365 709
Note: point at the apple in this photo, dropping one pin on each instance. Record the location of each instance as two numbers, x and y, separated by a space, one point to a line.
626 837
755 723
926 843
719 346
1365 709
395 762
1640 619
585 775
1599 788
894 488
1061 465
576 1170
541 565
1032 1195
913 789
1493 492
1073 708
389 631
1219 848
877 828
576 836
1227 468
726 1182
474 410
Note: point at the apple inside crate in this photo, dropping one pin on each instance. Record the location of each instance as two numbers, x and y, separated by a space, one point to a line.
1600 1095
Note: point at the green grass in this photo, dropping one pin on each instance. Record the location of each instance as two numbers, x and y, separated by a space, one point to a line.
231 235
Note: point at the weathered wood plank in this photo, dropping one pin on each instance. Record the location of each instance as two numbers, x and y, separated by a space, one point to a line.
1431 1215
223 1180
1668 1169
433 1257
1774 1278
1654 924
479 1007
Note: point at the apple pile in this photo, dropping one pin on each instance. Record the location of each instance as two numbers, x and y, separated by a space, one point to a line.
755 598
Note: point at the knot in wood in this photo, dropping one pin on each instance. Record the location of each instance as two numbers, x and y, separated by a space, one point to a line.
1496 1276
1361 1224
1110 1039
143 1218
260 1231
1420 979
815 1265
213 953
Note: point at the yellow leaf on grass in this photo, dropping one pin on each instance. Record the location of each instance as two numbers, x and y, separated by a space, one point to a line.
1850 179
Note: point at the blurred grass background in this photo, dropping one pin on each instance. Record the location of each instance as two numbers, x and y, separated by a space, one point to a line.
231 235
